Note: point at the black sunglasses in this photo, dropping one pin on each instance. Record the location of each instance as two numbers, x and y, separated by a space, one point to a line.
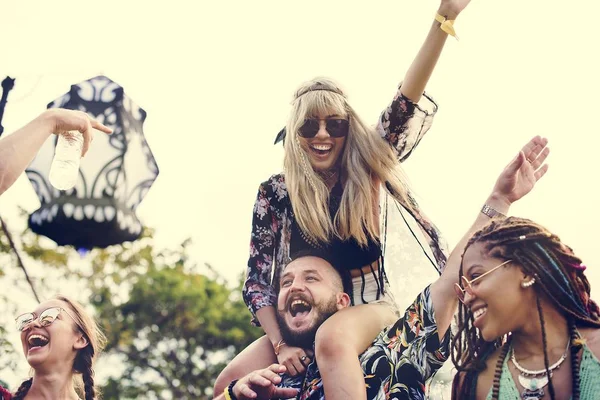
336 127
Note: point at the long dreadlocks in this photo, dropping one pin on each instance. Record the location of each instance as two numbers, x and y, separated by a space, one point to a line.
558 275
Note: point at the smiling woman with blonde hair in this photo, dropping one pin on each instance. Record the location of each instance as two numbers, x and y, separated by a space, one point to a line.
370 160
60 341
336 170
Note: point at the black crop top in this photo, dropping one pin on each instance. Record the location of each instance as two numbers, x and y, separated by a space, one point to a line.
348 253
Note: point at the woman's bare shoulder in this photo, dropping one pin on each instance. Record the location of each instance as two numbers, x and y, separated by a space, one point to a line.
592 339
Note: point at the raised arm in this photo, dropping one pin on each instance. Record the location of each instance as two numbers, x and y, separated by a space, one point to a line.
422 67
410 114
18 149
516 180
422 334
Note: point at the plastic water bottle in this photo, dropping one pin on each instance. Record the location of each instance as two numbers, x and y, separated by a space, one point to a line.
67 156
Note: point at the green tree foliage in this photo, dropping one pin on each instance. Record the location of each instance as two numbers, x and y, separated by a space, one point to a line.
171 325
176 328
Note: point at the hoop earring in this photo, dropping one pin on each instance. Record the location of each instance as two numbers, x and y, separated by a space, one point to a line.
525 285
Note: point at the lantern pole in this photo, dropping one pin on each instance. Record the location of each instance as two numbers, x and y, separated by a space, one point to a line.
7 84
19 260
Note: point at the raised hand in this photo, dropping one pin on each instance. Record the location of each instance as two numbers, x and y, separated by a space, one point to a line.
522 173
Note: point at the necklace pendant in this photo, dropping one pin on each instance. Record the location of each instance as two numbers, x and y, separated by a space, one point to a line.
536 394
533 383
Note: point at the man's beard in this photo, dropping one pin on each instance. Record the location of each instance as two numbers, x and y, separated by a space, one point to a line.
306 338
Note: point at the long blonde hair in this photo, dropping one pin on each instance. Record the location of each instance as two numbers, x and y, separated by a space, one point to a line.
367 160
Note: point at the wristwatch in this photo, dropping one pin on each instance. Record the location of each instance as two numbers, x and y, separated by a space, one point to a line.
490 212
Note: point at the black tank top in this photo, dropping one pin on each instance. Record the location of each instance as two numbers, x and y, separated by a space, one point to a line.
348 253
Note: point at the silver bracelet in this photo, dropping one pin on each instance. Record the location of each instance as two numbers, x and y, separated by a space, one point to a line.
490 212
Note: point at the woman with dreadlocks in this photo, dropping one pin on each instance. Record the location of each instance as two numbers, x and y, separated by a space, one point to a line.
60 340
528 328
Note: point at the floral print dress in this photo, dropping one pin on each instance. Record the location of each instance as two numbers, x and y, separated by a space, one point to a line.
403 124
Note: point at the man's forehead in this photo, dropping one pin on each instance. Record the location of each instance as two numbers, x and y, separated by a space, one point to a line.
307 264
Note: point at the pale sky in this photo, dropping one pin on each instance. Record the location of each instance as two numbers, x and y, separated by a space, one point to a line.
216 79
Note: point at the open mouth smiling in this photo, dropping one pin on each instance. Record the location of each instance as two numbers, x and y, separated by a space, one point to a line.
37 341
321 149
478 314
299 308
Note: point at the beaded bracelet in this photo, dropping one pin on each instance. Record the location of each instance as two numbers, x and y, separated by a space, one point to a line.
228 392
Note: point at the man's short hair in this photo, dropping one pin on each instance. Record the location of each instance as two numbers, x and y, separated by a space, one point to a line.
331 259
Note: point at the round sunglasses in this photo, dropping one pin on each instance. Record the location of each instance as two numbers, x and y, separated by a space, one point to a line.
45 318
336 127
468 284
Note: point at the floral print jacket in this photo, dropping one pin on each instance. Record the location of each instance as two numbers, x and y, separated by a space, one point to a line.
403 124
398 363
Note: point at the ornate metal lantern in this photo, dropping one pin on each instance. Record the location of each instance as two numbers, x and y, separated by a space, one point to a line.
114 176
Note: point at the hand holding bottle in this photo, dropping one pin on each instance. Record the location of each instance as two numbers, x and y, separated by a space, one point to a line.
63 120
74 130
